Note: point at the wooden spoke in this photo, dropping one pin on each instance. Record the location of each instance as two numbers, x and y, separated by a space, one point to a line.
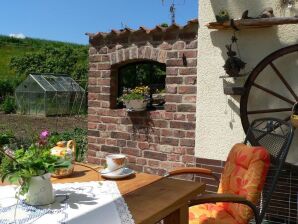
273 93
268 111
284 81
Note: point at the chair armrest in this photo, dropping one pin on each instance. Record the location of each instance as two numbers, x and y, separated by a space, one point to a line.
231 198
191 170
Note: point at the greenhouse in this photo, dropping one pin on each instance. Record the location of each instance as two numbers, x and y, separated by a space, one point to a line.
49 95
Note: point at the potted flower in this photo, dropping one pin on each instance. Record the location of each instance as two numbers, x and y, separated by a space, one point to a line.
136 99
31 169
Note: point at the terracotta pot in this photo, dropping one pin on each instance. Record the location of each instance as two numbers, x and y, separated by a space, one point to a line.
135 105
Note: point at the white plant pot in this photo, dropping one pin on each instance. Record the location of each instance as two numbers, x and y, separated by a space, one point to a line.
40 190
135 105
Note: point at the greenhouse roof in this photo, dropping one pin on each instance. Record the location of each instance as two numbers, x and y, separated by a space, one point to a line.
63 83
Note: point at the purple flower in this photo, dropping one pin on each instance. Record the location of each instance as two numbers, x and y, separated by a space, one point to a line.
44 134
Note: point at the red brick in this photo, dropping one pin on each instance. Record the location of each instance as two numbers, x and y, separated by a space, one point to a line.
92 81
182 125
155 155
171 89
187 142
170 107
141 161
179 134
105 89
93 133
179 45
160 123
136 167
93 147
103 82
189 99
153 163
131 159
169 116
174 80
188 159
110 149
110 120
174 157
174 98
112 142
172 54
179 117
187 89
186 108
191 62
91 140
103 66
111 127
121 143
188 54
188 71
190 80
131 144
131 151
143 145
169 141
192 45
165 46
92 125
190 134
170 71
120 135
174 62
166 132
94 103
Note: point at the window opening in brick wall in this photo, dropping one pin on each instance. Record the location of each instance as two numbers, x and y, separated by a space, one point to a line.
151 74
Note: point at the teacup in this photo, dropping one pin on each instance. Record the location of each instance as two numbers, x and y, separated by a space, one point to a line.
115 161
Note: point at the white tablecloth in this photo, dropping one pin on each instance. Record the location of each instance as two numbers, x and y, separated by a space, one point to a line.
76 203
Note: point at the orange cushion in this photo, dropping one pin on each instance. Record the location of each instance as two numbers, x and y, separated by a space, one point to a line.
209 214
244 174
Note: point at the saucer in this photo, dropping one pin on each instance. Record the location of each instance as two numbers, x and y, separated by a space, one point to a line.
117 174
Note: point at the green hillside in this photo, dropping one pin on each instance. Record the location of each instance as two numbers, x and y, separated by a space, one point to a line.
12 47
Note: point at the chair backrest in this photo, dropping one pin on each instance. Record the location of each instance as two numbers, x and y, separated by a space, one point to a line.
244 174
276 136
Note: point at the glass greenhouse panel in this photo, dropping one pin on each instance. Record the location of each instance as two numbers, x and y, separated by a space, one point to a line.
49 95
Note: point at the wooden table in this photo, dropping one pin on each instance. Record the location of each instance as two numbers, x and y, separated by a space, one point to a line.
150 198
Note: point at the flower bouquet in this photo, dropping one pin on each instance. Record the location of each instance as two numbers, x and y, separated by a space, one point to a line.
136 99
31 168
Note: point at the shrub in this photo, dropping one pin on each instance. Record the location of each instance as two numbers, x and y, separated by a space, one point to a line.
8 105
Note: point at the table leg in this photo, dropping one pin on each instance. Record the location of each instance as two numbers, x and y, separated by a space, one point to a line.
180 216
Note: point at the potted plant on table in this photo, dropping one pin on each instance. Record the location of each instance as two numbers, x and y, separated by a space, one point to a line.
136 99
32 168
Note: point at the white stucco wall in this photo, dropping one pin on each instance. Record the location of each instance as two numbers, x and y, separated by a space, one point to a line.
218 120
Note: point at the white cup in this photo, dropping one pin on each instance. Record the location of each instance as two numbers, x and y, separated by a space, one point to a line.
115 161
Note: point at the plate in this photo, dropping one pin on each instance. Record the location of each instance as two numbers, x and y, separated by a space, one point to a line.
117 174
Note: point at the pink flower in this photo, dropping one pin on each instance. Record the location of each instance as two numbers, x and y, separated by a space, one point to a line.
44 134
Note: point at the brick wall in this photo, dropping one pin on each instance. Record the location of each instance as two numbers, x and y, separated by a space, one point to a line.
154 141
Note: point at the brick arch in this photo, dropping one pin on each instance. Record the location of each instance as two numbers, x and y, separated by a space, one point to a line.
135 53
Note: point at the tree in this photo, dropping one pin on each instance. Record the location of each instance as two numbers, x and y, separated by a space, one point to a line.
63 60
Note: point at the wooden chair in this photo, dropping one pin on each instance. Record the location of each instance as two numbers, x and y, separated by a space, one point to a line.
244 176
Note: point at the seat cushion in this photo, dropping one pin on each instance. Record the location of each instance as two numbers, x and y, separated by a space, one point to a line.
244 174
210 214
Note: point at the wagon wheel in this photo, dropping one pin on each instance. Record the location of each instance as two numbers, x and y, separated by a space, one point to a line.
271 89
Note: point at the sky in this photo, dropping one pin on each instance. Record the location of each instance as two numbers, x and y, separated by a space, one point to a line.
69 20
